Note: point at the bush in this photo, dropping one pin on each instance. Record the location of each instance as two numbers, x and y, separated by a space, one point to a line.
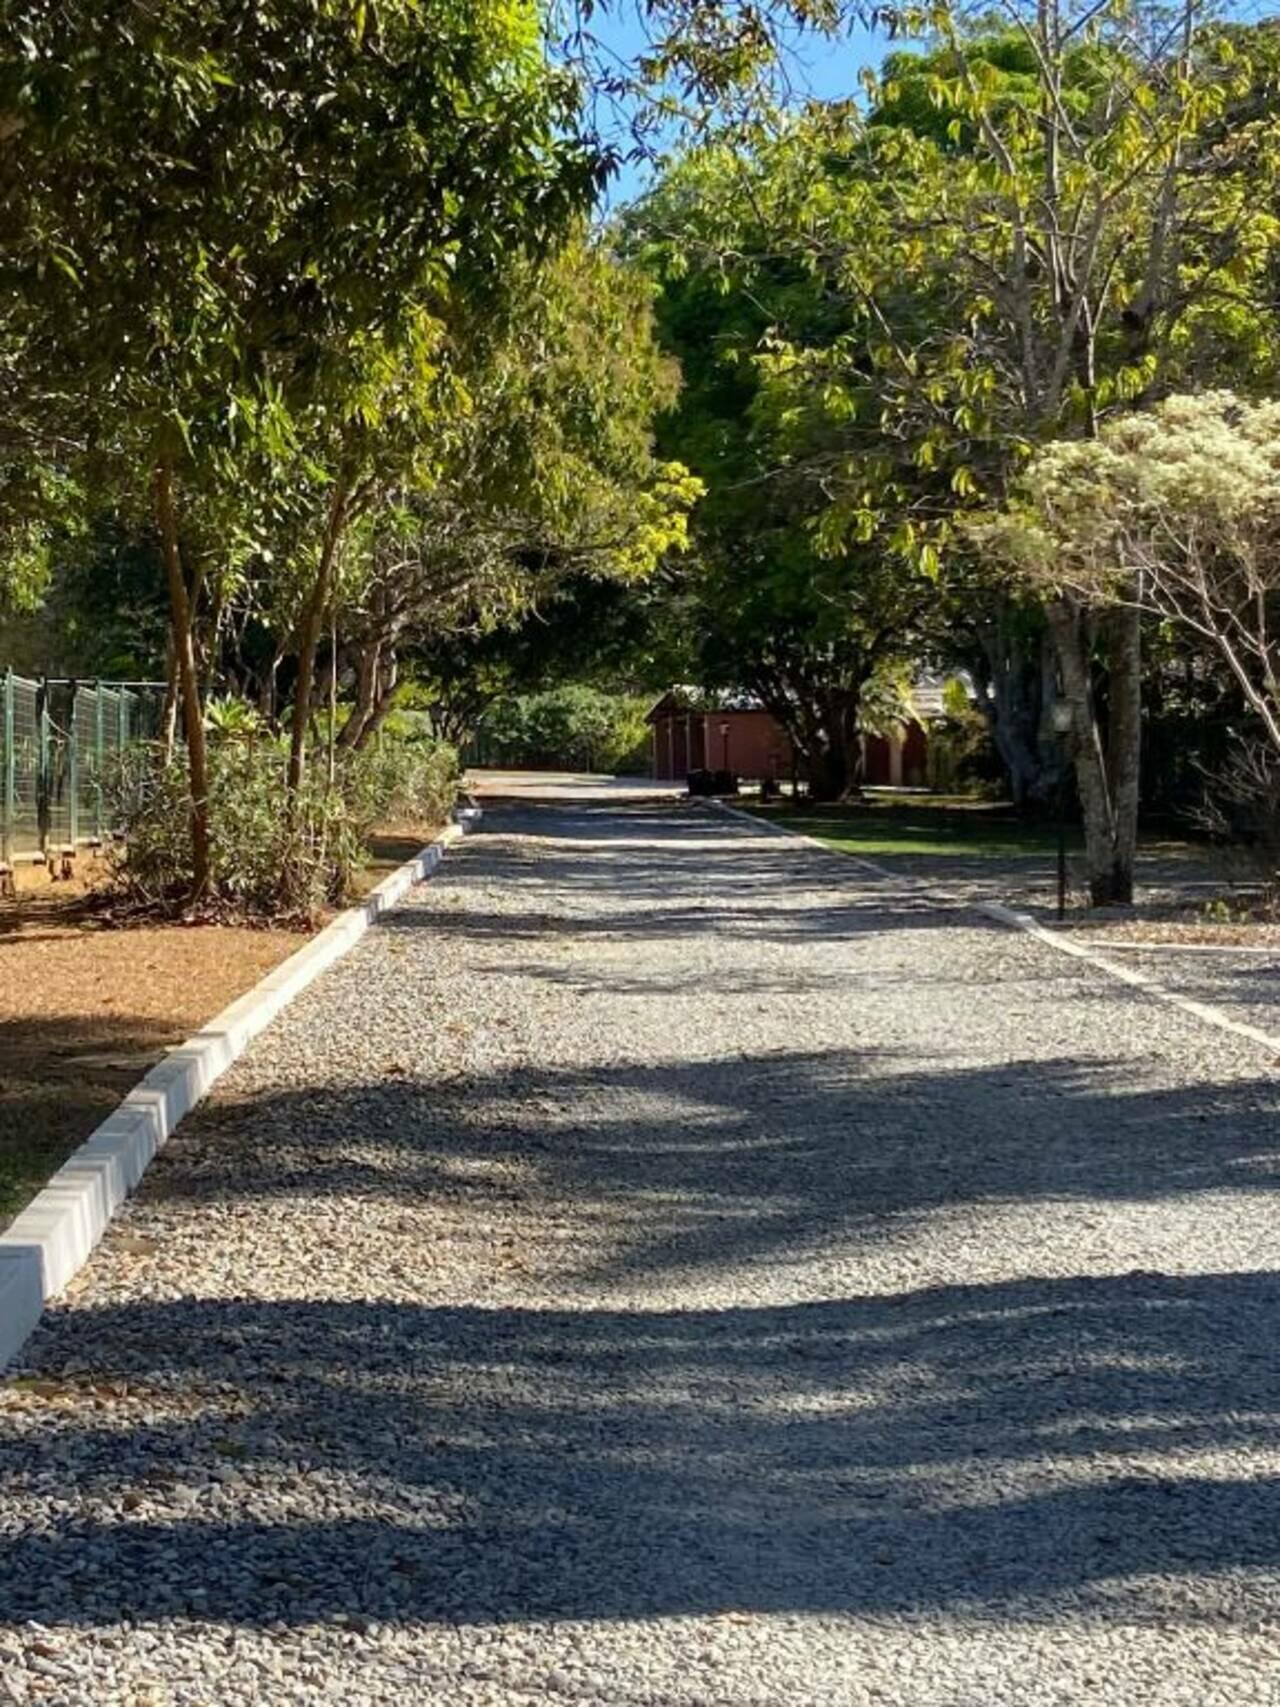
1241 809
409 780
572 728
268 862
962 756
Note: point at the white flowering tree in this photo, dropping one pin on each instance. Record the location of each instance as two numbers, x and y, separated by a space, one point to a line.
1175 510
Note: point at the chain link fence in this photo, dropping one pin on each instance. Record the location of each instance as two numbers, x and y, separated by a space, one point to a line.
58 739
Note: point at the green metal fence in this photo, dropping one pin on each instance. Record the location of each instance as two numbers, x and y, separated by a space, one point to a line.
58 739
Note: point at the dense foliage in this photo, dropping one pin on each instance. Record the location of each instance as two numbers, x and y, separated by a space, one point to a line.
265 863
887 307
323 393
298 317
573 728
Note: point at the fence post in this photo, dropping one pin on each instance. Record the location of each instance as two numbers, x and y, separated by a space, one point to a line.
73 767
98 829
7 798
43 802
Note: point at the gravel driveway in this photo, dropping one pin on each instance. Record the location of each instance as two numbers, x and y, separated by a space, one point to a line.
661 1266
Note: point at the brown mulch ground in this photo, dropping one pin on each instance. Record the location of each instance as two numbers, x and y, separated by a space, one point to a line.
390 848
86 1009
1186 930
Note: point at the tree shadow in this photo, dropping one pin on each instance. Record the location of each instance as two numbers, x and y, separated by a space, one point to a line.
1000 1450
1004 1449
1247 989
644 871
715 1163
59 1076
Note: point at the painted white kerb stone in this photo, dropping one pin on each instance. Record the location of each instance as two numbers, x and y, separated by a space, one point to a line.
52 1238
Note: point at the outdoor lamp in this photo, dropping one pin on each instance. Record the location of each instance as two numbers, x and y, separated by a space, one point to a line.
1061 717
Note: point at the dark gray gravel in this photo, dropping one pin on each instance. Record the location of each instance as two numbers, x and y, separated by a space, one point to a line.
662 1266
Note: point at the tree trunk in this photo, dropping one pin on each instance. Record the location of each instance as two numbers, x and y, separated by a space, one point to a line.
1017 664
1107 774
169 713
1124 741
184 651
333 698
835 765
825 731
455 719
310 628
388 680
367 660
212 645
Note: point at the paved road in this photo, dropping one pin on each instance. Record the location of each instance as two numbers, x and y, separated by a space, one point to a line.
660 1267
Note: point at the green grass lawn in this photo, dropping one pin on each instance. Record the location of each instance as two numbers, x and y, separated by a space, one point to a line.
903 824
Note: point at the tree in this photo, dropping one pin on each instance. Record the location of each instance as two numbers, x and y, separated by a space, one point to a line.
1175 511
803 615
231 236
1024 236
549 473
604 633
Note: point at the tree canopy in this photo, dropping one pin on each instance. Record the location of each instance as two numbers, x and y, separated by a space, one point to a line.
307 337
1021 231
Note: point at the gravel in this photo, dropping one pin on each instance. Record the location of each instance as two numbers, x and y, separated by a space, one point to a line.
663 1265
1243 985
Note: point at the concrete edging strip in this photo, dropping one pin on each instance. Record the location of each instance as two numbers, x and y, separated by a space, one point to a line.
1014 920
1129 975
50 1240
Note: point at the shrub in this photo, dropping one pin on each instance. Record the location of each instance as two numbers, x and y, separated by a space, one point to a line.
267 861
1241 809
574 727
409 780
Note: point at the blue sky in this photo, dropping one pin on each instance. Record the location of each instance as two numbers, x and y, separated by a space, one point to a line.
826 69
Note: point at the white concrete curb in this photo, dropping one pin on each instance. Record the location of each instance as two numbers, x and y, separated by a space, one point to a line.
1014 920
52 1238
1130 975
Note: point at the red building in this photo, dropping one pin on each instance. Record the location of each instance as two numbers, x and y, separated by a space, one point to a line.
739 737
692 734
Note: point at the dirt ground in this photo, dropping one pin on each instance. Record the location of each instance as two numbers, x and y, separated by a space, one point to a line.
86 1009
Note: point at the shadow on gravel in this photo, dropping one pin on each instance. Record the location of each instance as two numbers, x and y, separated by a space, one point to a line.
991 1449
718 1163
1248 990
60 1074
654 857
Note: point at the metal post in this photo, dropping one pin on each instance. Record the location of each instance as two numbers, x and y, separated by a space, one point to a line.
98 826
73 768
42 766
1061 722
7 803
1062 829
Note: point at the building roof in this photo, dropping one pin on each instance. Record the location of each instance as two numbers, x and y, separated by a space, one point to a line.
927 698
681 699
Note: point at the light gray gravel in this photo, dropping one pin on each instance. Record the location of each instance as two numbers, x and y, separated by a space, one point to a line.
1243 986
662 1267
